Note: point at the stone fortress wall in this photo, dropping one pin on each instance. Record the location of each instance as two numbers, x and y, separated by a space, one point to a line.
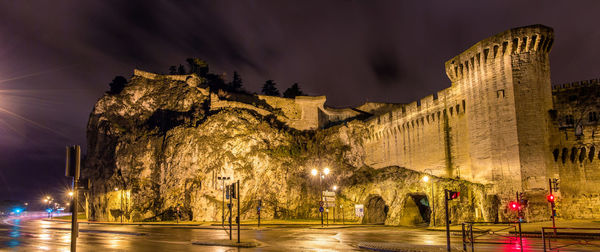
488 127
575 148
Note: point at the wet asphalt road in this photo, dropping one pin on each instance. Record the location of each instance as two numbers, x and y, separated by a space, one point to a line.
35 234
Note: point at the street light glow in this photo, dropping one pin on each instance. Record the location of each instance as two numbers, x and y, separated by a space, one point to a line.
326 170
426 178
116 188
314 172
71 193
335 188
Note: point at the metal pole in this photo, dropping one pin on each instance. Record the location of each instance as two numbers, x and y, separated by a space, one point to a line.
230 212
432 203
122 206
321 197
464 237
342 207
552 207
238 219
447 220
544 239
472 239
520 237
223 215
74 226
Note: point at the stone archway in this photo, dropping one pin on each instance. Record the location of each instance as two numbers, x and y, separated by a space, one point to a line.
416 210
375 210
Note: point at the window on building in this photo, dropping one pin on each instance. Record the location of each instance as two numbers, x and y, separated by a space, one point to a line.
569 120
555 153
573 154
592 153
500 93
593 116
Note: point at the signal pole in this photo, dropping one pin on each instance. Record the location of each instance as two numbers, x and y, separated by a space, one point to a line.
72 170
447 220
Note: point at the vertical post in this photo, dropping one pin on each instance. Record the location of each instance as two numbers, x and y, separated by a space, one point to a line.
544 239
464 237
334 214
73 167
223 214
321 193
552 212
122 212
520 237
328 217
472 238
230 206
238 219
432 203
447 220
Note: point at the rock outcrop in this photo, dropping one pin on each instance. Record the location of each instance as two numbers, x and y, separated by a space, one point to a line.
159 146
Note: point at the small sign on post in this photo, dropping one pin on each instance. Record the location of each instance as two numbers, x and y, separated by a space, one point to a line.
359 210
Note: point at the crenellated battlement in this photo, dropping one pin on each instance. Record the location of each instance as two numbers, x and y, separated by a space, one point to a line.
575 85
528 39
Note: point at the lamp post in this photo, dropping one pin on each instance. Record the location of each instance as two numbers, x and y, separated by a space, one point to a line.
426 179
321 175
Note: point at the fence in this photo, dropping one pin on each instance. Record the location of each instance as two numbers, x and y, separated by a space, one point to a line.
582 238
488 232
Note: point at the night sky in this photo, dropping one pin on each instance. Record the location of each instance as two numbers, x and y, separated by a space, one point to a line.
57 57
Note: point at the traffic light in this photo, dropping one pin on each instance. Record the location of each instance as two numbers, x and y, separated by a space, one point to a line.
453 195
513 205
550 198
233 194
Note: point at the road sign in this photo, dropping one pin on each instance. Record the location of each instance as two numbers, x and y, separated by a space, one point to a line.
321 209
321 203
328 198
359 210
328 194
330 204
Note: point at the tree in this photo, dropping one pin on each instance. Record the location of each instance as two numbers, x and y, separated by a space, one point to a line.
198 66
236 82
293 91
172 70
270 89
181 69
117 85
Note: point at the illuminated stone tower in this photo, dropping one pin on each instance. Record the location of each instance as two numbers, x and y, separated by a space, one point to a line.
505 80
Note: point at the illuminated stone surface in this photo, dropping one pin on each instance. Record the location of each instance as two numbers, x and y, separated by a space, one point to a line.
165 139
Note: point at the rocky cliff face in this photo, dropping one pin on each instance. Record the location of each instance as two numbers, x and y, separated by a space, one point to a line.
158 146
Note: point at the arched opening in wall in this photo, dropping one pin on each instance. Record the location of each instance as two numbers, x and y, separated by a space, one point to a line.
564 155
415 211
581 154
375 210
573 154
592 153
555 153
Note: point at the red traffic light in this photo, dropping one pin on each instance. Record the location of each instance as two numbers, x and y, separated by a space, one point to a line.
550 198
452 195
514 206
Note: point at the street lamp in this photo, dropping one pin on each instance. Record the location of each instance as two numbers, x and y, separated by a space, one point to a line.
322 175
426 179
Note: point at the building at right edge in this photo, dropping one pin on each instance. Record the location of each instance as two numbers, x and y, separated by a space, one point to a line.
501 123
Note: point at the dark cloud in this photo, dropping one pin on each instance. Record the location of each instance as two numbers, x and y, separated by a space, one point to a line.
60 56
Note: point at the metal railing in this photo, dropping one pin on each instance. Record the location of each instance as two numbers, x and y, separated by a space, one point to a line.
582 238
472 231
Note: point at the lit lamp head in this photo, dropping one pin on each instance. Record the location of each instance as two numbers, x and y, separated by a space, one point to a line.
71 193
314 172
116 188
425 178
335 188
326 171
